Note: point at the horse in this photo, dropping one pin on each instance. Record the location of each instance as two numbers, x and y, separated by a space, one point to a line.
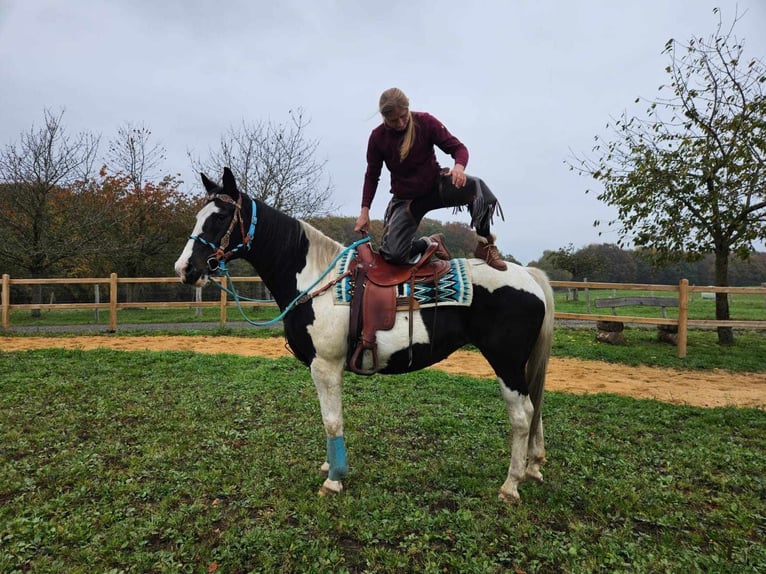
509 319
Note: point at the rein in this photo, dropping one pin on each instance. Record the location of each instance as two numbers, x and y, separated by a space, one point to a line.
217 262
302 297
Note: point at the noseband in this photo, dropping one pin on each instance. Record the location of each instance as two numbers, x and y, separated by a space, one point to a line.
217 261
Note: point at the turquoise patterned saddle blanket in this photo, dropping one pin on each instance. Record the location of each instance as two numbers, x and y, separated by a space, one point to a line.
453 288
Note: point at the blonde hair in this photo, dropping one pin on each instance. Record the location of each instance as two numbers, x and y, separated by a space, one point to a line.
391 100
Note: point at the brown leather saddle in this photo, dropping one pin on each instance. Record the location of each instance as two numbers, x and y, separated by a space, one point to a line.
374 300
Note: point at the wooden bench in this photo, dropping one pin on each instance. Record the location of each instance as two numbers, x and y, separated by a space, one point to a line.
612 331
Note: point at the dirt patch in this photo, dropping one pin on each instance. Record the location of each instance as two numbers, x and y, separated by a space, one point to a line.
699 388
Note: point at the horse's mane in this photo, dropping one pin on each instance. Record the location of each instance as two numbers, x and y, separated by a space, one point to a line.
327 248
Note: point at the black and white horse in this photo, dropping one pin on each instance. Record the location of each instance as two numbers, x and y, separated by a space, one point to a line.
509 319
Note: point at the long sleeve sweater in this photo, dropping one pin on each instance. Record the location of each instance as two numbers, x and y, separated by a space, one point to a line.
417 174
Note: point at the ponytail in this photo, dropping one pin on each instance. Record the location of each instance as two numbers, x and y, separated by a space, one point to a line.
409 138
391 100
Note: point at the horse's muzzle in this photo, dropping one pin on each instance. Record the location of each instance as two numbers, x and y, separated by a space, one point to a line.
190 275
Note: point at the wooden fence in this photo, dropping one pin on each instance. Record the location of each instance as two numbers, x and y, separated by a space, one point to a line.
683 291
114 305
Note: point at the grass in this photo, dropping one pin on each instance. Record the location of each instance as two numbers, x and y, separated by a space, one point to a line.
178 462
642 348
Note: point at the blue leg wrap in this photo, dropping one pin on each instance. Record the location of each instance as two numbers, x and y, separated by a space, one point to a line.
336 457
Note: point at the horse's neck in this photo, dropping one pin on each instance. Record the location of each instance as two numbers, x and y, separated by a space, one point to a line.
282 248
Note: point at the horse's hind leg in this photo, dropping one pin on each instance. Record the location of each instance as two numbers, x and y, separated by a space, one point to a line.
520 411
328 376
536 453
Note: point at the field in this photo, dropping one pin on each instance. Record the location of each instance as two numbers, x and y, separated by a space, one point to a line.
187 461
705 386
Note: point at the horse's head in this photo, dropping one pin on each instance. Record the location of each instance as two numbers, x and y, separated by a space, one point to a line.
223 231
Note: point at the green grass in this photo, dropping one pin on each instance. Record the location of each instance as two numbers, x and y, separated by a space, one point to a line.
179 462
642 348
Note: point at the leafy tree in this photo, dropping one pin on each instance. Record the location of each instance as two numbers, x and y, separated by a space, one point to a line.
549 263
579 263
750 272
607 262
151 227
274 163
689 178
152 218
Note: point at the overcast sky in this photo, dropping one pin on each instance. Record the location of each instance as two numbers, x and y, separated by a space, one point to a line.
523 83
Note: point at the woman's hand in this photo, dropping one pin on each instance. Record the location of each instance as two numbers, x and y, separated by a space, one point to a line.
363 221
458 175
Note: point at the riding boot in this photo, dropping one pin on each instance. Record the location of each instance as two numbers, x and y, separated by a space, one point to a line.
441 250
487 251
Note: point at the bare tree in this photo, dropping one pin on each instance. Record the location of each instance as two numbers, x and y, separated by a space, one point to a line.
133 154
40 228
47 210
274 163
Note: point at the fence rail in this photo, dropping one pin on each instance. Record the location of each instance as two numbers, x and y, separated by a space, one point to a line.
683 291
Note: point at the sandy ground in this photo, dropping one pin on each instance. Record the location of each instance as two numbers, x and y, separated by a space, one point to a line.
704 389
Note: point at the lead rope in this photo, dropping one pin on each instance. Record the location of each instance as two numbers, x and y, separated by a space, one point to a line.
302 297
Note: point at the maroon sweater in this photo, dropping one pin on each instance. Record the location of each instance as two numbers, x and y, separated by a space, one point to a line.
417 174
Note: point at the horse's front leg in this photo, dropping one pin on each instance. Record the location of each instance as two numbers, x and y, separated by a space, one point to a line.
328 377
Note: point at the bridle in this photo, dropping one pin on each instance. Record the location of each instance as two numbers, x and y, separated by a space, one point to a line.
217 262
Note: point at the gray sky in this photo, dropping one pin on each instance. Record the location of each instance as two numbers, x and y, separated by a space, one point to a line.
523 83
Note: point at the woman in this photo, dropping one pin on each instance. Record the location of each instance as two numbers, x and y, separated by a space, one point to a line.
405 143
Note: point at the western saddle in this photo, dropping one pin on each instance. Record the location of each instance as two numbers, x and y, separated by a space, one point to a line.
374 300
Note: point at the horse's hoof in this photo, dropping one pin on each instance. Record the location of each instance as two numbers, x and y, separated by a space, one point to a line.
535 475
324 470
509 497
330 487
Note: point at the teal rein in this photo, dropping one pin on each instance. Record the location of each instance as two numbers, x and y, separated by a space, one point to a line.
302 296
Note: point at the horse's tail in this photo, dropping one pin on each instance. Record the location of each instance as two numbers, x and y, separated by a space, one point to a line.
541 352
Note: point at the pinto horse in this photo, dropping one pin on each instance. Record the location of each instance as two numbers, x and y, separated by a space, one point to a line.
509 318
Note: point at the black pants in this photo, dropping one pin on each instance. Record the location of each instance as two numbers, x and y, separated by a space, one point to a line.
403 216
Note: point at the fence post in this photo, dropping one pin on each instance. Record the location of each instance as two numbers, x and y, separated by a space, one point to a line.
113 302
587 296
198 299
5 297
97 297
683 316
224 301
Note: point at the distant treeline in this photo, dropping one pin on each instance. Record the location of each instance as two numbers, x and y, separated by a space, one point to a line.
597 262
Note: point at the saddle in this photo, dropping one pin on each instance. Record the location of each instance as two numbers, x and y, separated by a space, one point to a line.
374 301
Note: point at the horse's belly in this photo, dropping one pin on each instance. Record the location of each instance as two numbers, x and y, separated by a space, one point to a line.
401 350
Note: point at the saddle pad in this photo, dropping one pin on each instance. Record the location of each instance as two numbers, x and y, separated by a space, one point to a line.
455 287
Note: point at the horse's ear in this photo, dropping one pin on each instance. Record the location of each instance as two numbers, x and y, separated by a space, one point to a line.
229 185
209 185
